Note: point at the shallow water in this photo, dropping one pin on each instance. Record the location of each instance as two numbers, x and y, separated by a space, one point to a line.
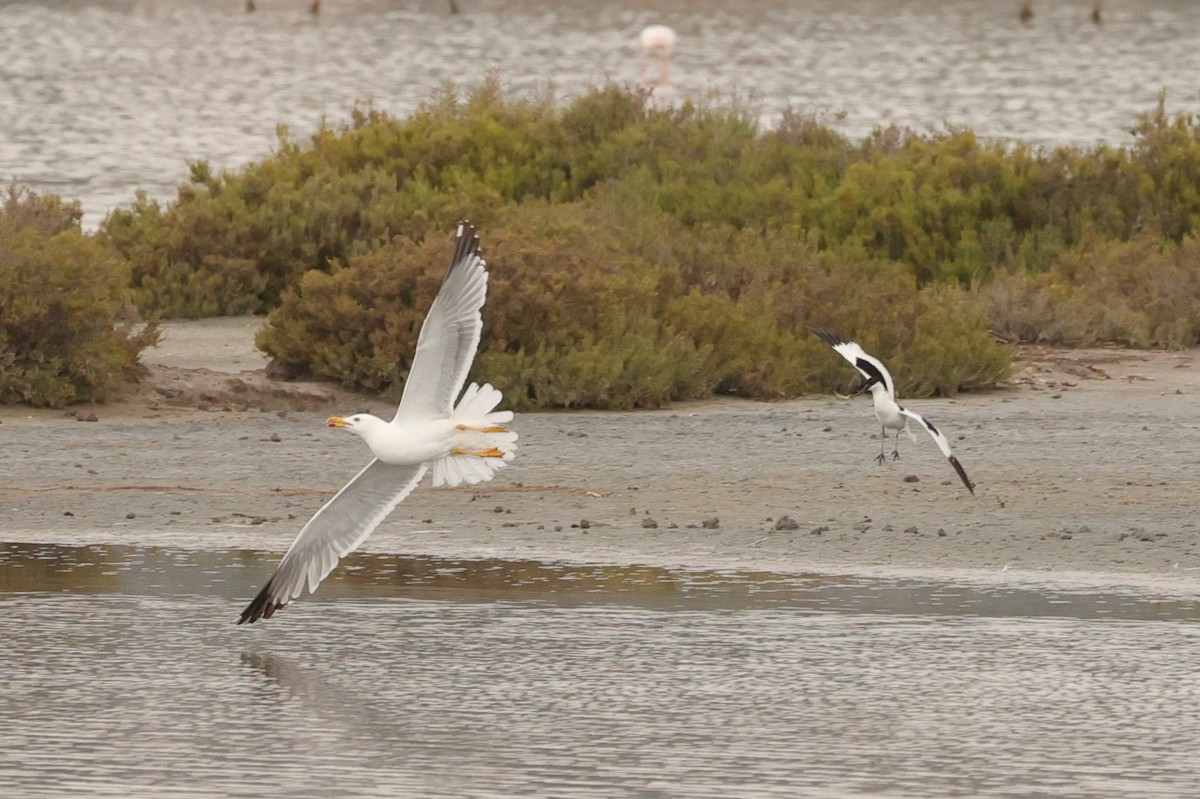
101 98
124 674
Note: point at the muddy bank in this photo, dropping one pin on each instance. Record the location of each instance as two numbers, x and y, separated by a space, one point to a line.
1088 462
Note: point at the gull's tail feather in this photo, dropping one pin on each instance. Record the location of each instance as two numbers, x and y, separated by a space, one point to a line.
483 444
478 402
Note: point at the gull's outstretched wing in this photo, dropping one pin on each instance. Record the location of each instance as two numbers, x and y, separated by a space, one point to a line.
449 335
868 366
943 445
336 530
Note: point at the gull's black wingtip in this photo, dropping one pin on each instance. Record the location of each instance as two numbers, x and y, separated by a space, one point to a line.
261 607
467 243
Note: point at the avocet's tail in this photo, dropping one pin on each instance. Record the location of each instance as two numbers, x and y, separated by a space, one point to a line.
483 443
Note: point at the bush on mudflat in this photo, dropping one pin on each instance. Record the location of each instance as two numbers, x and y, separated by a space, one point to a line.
62 295
686 247
601 306
943 203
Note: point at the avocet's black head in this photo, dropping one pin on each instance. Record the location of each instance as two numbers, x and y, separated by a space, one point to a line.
865 387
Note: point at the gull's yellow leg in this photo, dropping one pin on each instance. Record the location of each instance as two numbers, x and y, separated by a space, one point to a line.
482 453
492 429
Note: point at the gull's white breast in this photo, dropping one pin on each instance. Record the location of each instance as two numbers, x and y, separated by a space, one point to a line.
414 442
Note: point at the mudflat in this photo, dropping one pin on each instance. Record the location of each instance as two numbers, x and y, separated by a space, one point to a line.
1086 462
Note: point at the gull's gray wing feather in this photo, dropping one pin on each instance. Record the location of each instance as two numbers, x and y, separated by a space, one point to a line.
942 443
334 531
449 335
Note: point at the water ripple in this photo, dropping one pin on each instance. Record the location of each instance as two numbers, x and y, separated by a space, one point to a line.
104 98
518 687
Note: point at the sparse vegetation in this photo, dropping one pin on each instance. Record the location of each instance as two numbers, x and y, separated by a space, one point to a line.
1138 293
61 297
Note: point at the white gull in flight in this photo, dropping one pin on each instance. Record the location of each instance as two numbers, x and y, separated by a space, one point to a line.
465 443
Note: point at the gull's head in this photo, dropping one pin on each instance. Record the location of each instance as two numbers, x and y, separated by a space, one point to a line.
360 423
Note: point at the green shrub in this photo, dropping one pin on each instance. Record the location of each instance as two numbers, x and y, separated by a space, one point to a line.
562 327
61 298
351 190
749 298
604 305
1166 154
945 205
689 247
933 339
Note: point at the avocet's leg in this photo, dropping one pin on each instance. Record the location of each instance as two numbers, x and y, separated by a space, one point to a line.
896 447
881 457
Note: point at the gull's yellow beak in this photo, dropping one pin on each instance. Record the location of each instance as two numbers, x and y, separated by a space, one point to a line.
337 421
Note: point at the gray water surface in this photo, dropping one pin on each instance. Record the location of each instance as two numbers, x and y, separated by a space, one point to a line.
100 98
125 675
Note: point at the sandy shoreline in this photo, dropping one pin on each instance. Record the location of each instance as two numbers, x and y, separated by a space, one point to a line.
1086 465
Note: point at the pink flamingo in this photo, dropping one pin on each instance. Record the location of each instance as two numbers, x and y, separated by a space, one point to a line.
658 42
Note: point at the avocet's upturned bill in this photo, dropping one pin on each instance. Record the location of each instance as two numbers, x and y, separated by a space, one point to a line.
464 443
891 414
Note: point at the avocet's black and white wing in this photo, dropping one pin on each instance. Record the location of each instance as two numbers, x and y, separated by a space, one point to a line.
337 529
449 335
943 445
868 366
